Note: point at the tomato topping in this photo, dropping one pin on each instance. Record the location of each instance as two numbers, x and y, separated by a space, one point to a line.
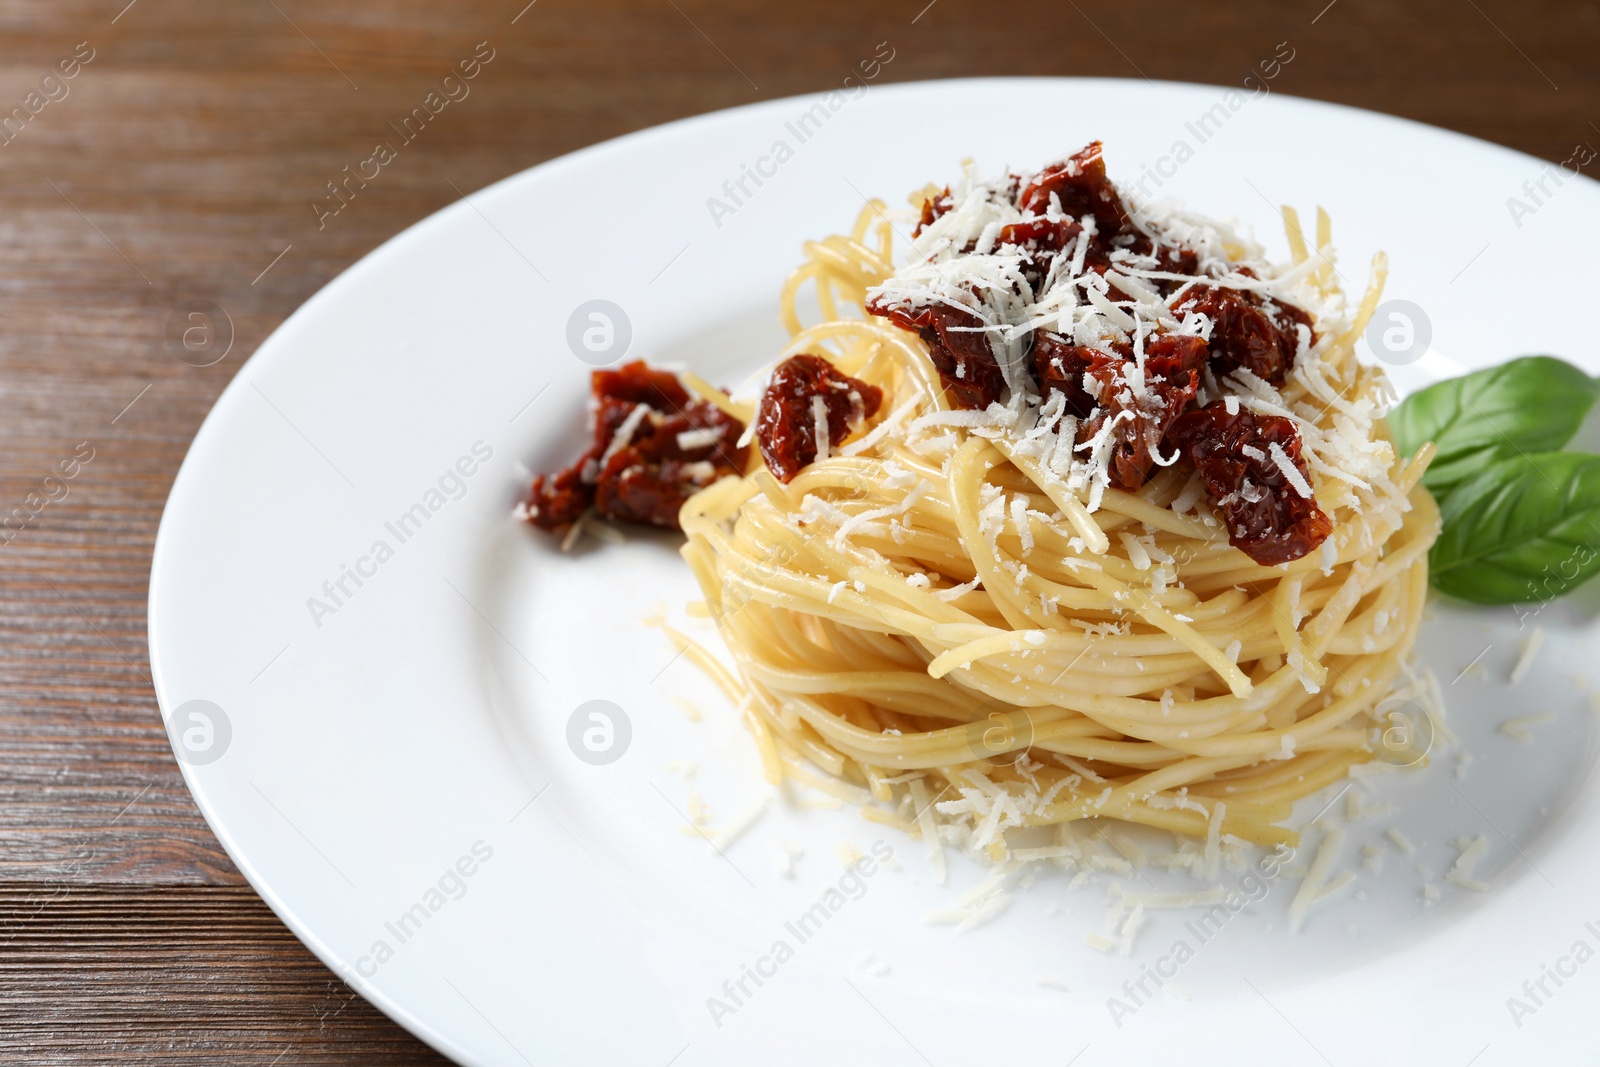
1174 259
640 383
932 208
1099 387
959 348
787 420
1081 186
674 447
1266 516
1060 366
1247 331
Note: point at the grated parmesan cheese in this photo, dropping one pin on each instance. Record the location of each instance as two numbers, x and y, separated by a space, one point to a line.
1401 841
1530 651
740 823
624 434
1291 473
1460 872
819 420
1314 885
1517 726
689 440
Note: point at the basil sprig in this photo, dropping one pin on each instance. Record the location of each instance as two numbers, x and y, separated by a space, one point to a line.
1521 519
1529 405
1521 529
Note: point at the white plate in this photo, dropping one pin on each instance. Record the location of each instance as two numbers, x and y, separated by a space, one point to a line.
374 748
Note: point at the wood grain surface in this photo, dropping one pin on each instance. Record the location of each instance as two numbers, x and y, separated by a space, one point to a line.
180 161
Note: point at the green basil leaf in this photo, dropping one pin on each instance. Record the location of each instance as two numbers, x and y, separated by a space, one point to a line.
1532 404
1521 529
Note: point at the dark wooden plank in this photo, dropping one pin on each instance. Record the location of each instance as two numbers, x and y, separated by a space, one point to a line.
186 157
193 975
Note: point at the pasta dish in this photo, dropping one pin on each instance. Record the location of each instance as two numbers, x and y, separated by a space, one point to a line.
1075 508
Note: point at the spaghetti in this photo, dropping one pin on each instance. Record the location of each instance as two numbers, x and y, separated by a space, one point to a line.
960 612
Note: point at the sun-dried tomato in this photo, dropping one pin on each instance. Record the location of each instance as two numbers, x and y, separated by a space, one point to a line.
1043 234
640 383
647 478
1266 516
1060 366
1081 185
958 346
1247 330
558 500
1173 259
1040 240
786 421
1171 378
932 208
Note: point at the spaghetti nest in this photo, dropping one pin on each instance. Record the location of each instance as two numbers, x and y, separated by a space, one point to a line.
936 620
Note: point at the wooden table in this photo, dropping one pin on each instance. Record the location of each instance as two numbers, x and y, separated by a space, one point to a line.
179 163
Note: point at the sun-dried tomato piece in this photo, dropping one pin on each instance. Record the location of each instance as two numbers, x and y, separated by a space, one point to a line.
1173 353
1081 184
1172 377
558 500
1266 516
932 208
786 421
1060 366
1040 234
1173 259
1041 240
1105 385
1247 330
668 458
674 447
960 353
640 383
